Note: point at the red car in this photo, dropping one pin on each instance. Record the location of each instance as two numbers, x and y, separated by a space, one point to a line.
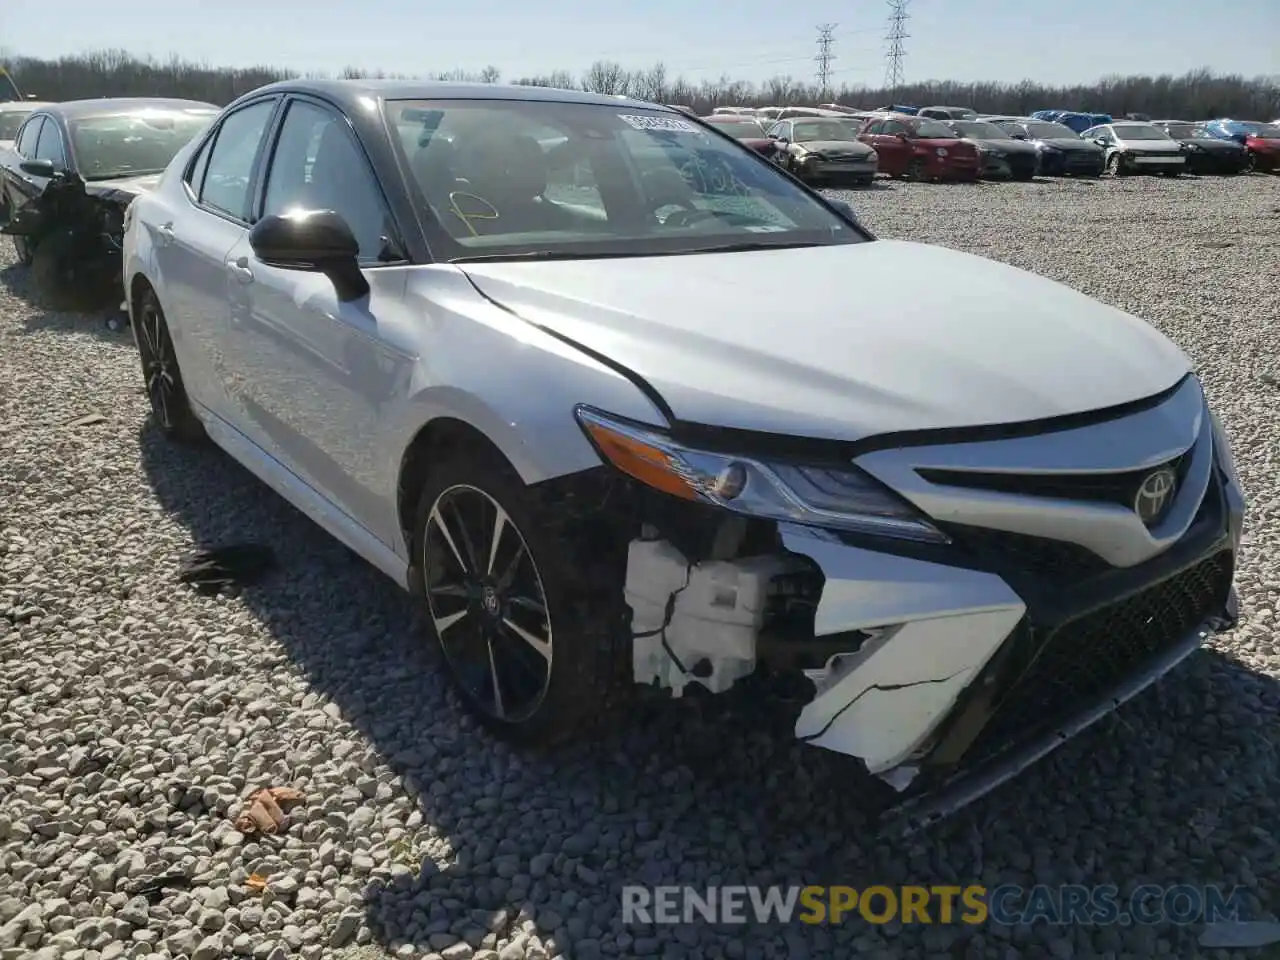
747 131
920 149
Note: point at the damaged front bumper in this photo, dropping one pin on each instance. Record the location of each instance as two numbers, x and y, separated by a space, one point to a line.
946 670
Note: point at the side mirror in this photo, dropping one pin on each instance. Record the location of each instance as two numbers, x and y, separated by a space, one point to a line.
1100 141
1018 136
317 241
39 168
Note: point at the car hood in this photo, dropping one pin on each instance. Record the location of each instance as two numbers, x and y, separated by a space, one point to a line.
1207 143
123 188
1008 146
824 147
1070 143
725 344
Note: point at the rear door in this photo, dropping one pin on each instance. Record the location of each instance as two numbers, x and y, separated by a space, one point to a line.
19 185
198 291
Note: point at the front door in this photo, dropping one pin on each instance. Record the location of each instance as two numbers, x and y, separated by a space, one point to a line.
315 375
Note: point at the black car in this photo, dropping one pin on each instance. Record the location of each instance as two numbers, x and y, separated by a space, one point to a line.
1061 151
1003 157
73 170
1206 153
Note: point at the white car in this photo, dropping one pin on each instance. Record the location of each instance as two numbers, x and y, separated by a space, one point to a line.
1138 148
526 352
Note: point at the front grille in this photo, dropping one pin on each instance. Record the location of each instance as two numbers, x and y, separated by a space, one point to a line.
1086 657
1059 561
1119 488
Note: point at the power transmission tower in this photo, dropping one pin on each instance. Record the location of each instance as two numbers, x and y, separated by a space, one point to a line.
898 18
824 57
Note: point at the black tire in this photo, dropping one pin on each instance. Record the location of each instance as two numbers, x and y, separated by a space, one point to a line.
1173 173
1251 162
915 171
1024 177
1113 166
545 696
24 249
170 406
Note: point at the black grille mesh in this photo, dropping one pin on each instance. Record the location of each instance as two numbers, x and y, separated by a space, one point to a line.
1084 658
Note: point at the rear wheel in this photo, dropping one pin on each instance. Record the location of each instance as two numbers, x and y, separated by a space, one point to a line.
521 645
166 392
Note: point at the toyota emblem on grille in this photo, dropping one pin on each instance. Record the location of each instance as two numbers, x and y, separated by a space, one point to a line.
1155 494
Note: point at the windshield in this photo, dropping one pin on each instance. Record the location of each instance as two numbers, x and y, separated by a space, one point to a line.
1042 130
1139 131
1185 131
741 129
821 130
979 129
11 122
511 179
933 129
129 145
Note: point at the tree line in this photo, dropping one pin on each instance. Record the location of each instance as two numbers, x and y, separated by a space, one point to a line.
1200 94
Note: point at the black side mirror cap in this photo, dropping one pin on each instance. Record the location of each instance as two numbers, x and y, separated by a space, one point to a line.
39 168
318 241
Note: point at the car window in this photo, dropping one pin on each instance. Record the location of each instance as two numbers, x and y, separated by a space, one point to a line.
875 127
49 147
30 134
226 182
515 178
11 123
195 175
318 165
895 127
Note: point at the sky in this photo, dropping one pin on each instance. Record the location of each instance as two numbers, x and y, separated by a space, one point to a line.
1005 40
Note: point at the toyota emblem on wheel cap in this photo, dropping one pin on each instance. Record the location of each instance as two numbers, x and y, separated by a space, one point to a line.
1155 493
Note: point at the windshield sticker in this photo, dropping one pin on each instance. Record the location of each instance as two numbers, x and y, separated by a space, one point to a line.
653 122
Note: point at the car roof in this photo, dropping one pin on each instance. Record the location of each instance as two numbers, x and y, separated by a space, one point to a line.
13 106
114 106
349 94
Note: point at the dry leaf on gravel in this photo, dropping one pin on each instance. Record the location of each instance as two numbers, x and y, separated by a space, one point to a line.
266 809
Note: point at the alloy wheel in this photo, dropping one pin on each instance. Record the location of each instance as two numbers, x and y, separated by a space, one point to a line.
159 364
486 600
1113 165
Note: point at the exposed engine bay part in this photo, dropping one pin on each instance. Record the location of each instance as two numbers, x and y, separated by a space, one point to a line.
74 231
697 622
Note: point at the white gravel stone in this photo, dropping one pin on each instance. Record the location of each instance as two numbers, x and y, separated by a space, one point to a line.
135 714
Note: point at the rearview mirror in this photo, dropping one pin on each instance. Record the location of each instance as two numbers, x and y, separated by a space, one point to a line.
39 168
318 241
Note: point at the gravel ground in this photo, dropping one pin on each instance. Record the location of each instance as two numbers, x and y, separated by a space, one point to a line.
135 714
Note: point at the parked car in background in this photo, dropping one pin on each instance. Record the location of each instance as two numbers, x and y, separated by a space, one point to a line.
1206 153
595 466
1061 151
947 113
824 150
1261 140
768 113
74 170
1073 120
921 149
13 113
1003 158
1138 148
683 108
748 131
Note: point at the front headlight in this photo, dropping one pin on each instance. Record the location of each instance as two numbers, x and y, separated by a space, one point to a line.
834 496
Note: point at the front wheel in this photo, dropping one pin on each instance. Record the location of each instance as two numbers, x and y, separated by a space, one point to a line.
915 172
170 406
522 645
1250 162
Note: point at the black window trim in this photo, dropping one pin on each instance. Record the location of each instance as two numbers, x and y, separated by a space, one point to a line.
272 138
210 140
38 117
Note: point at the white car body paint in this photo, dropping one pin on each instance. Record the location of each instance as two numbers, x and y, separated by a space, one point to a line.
719 338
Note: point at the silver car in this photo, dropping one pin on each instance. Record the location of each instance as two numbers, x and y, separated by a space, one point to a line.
526 351
1138 148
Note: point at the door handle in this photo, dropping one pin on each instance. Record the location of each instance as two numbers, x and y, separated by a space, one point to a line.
165 233
240 269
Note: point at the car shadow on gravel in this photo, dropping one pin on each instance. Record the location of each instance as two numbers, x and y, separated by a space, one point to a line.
15 279
694 792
